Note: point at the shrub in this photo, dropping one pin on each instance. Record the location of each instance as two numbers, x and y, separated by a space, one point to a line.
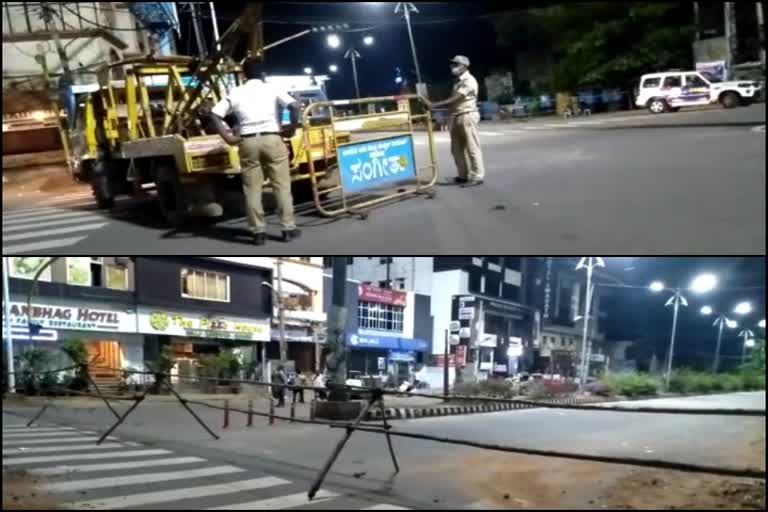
76 350
496 388
551 389
632 384
32 362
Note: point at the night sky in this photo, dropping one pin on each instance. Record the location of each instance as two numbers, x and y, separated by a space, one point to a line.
441 30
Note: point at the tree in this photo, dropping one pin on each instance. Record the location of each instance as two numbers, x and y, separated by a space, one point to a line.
603 43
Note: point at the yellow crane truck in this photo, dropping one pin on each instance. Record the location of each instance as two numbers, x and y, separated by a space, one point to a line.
145 128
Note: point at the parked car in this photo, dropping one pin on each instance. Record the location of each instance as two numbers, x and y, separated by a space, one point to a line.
672 90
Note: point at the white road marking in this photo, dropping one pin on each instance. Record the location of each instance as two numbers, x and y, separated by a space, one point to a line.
54 232
492 134
279 502
144 478
42 449
26 442
24 428
385 506
15 461
61 470
38 434
27 212
49 219
758 128
171 495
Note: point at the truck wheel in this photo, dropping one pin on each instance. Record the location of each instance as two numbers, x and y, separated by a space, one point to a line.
101 184
657 106
170 194
730 99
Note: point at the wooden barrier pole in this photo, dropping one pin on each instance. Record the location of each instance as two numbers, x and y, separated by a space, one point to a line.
250 413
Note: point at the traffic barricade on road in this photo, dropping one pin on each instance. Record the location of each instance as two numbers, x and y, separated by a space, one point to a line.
378 163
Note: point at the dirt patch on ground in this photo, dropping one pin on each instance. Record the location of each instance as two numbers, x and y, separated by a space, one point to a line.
21 492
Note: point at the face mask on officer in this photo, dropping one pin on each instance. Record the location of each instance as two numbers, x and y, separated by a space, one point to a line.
457 70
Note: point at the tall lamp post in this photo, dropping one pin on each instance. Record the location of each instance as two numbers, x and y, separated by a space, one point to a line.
7 328
700 284
720 322
589 263
749 341
407 8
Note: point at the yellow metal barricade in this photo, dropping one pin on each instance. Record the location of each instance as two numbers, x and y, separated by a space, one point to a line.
377 162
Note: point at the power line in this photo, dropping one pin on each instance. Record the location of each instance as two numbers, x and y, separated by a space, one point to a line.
98 25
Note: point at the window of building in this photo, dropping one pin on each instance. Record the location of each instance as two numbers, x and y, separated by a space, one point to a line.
384 261
85 271
562 342
116 277
400 283
203 284
383 284
381 317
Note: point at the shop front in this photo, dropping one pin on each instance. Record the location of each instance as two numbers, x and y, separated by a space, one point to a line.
373 354
107 330
191 335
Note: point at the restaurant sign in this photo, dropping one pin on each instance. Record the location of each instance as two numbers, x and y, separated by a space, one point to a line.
80 318
383 295
195 325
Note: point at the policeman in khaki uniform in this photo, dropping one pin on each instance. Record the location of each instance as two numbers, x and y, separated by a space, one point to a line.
465 143
256 104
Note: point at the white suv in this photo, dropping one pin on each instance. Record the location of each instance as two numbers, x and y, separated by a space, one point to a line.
668 91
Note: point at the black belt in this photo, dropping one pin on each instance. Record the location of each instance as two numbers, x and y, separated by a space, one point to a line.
259 134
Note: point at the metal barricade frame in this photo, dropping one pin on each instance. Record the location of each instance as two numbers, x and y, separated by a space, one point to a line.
358 203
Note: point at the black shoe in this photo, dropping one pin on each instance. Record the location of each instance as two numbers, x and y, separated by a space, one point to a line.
291 234
259 238
472 183
459 179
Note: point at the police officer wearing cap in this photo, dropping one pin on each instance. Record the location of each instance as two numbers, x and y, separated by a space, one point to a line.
262 150
465 116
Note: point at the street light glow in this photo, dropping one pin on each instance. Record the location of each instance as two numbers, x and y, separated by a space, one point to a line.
732 324
706 310
368 40
333 40
749 343
333 68
704 283
656 286
761 323
308 70
743 308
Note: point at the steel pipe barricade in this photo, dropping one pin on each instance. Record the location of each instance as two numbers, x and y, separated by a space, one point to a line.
371 171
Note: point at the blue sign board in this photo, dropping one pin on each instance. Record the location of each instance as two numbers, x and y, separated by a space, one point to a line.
375 163
398 355
357 340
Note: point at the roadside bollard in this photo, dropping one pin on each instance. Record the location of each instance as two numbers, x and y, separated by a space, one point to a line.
293 411
250 413
271 412
226 414
312 410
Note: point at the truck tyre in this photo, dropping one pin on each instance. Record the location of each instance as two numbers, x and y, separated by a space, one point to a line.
730 99
101 184
170 194
658 106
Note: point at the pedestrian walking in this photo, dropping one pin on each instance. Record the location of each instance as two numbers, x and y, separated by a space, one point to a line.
464 120
319 382
263 152
299 379
278 391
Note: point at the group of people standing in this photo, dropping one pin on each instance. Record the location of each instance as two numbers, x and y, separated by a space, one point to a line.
299 380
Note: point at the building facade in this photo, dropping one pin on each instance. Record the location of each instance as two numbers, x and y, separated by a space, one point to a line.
387 331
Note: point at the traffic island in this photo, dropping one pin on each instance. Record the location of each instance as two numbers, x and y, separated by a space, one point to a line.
338 411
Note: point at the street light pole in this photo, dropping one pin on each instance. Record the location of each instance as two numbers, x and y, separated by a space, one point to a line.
198 29
588 262
281 312
353 56
721 320
215 23
407 7
747 335
675 301
7 326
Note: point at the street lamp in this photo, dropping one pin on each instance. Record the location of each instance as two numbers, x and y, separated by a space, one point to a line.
720 322
761 323
743 308
368 40
407 8
700 284
333 68
333 41
748 336
308 71
588 262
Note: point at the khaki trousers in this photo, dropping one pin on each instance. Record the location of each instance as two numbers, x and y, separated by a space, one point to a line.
260 156
465 146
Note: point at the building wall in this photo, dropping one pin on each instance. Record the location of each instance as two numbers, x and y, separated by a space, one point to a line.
416 272
445 286
308 271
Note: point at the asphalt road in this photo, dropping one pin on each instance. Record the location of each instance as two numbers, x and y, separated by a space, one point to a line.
685 183
433 475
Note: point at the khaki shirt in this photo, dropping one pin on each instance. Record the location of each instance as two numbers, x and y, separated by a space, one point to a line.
466 85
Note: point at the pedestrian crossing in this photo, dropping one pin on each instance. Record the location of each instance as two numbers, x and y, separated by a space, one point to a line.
128 475
51 223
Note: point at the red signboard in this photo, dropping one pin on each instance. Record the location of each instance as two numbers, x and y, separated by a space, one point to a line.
373 294
440 360
461 354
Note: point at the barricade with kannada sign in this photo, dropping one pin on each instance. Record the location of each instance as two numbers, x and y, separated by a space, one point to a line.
380 162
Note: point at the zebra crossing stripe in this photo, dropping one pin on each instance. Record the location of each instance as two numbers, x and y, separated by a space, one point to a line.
62 470
39 246
279 502
171 495
145 478
16 461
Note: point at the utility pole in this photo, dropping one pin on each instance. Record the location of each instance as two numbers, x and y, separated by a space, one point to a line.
761 33
8 329
721 320
353 56
281 311
588 262
445 366
389 272
336 361
674 301
198 29
747 335
407 8
697 21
